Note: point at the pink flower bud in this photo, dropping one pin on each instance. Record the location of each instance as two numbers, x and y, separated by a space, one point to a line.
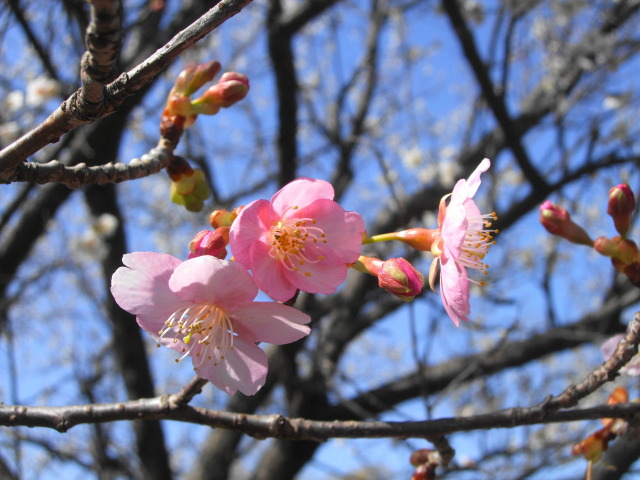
557 221
231 88
397 276
211 243
621 205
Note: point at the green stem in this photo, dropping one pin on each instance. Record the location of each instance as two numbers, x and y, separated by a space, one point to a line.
384 237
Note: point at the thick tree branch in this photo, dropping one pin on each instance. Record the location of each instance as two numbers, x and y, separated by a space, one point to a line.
281 54
98 66
496 103
130 355
68 116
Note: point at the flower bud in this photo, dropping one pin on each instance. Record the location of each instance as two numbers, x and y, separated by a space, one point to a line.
621 205
231 88
368 265
194 77
557 221
420 456
592 447
397 276
188 186
222 218
213 243
177 105
622 250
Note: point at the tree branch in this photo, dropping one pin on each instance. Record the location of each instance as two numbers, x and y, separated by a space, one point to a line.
495 102
149 163
68 116
277 426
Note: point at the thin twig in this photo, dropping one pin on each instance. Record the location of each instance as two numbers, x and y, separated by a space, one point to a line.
627 348
190 390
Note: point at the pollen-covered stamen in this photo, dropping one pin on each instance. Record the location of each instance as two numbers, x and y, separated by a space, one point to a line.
201 327
289 239
477 242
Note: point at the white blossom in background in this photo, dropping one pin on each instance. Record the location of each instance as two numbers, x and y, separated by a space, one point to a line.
9 132
13 102
91 244
41 89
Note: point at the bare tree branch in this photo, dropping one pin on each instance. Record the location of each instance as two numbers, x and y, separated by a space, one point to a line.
276 426
70 114
151 162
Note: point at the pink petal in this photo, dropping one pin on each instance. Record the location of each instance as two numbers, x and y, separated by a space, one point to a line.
473 182
269 275
224 283
343 229
454 230
454 291
142 288
243 368
322 277
270 322
300 192
465 189
251 225
471 210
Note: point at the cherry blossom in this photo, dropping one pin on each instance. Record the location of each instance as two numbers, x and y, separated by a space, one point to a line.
300 239
461 242
204 308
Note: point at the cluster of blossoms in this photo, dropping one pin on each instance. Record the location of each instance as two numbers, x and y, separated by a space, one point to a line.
204 307
299 240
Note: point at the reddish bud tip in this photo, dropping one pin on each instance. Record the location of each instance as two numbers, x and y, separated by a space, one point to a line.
210 243
621 205
399 277
231 88
557 221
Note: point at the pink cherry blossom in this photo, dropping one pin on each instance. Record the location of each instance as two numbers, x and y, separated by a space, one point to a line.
204 308
608 348
300 239
462 242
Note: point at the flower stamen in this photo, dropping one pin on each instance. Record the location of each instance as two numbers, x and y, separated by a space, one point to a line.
478 239
201 327
289 239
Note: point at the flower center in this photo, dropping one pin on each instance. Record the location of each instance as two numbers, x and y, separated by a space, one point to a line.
477 241
290 240
205 329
